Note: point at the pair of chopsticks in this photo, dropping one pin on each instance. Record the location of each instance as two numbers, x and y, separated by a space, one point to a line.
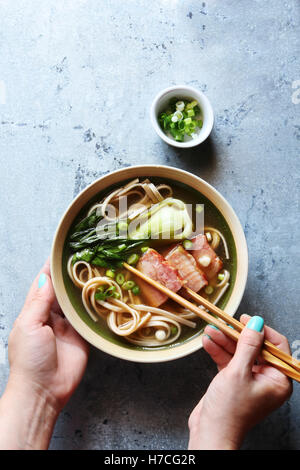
270 353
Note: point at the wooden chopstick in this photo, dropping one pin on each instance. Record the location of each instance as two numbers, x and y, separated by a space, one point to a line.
232 333
239 327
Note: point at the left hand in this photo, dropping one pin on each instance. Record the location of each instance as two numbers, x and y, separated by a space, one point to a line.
44 350
47 361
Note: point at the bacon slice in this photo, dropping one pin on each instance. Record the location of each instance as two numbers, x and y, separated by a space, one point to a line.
187 268
155 266
202 252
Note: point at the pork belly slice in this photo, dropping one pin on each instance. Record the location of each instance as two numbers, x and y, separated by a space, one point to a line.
155 266
207 259
187 267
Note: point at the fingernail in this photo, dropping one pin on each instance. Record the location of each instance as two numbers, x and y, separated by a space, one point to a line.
256 323
207 336
42 280
213 326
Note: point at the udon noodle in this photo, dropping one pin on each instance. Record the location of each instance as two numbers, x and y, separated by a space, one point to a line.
125 312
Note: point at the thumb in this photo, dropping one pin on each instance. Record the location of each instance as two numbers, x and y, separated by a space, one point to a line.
249 345
39 300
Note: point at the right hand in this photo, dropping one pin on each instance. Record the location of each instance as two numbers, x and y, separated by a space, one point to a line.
242 393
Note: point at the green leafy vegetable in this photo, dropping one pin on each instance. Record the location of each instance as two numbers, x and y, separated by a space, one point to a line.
102 294
167 220
106 254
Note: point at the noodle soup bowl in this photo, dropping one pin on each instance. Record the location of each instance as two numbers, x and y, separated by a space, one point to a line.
69 296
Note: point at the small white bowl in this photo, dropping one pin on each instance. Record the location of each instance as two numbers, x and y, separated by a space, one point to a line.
161 102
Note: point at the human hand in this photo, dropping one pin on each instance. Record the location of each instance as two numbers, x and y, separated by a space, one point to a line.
43 349
47 361
243 392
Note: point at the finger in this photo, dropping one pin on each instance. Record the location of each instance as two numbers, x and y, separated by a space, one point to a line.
57 323
38 303
272 335
64 331
220 338
249 345
45 269
56 308
216 352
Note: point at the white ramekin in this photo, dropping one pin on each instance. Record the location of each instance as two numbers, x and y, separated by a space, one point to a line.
160 104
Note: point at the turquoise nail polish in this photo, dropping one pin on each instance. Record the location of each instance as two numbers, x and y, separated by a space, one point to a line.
256 323
207 336
213 326
42 280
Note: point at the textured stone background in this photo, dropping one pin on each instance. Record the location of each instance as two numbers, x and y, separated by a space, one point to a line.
77 78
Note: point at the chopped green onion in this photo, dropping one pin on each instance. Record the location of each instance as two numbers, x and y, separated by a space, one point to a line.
209 290
221 277
199 208
188 244
110 290
116 295
121 247
174 330
180 105
120 279
133 259
179 137
178 115
100 295
180 119
136 290
188 120
191 105
181 125
144 249
128 285
110 273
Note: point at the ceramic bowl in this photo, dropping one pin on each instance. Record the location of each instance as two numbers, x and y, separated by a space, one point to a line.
94 333
161 102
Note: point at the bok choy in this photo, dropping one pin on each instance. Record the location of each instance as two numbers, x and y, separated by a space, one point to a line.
103 244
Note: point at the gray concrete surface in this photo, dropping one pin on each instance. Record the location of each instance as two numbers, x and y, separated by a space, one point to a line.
76 82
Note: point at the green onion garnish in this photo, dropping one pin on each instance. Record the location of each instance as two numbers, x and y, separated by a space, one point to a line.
136 290
120 279
181 118
188 244
133 259
209 290
128 285
110 273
